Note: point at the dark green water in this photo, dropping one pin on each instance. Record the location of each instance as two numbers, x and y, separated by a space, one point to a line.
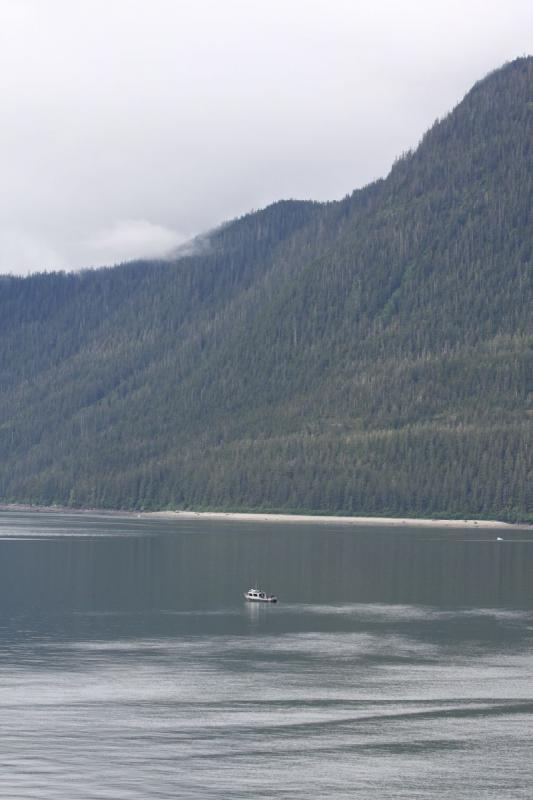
398 663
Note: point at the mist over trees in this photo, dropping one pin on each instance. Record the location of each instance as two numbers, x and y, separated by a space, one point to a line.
371 355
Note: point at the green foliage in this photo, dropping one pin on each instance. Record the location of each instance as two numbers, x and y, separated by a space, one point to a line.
369 356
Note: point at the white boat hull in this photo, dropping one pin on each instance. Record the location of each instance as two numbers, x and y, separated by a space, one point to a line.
259 597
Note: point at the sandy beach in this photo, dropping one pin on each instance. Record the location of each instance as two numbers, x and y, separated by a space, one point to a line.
318 519
266 517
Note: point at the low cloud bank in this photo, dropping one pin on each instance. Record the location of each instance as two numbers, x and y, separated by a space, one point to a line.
132 238
23 252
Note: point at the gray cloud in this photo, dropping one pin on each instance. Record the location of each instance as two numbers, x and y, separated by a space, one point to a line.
185 114
21 252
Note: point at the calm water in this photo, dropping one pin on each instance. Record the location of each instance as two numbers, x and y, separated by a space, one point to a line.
398 663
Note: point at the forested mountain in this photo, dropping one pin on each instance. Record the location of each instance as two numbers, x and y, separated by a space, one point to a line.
371 355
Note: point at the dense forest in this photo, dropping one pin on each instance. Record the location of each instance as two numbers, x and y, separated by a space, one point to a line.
366 356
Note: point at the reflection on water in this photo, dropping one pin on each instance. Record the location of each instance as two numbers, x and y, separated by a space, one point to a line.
397 663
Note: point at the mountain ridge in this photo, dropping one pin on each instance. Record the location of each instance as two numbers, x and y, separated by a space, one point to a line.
357 356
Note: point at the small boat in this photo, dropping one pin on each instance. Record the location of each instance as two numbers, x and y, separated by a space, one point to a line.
258 596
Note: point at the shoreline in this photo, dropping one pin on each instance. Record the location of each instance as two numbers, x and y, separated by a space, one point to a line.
272 517
337 520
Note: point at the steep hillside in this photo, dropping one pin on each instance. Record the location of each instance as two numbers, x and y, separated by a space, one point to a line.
367 356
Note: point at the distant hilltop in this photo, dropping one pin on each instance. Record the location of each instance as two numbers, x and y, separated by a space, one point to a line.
369 356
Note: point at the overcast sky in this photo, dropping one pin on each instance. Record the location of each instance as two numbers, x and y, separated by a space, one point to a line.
128 126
